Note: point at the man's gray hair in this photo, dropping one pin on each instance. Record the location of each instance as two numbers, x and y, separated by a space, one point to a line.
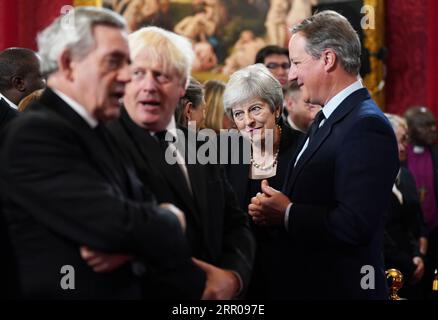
396 121
329 29
73 32
252 82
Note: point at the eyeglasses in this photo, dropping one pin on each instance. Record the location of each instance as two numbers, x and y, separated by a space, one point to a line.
274 65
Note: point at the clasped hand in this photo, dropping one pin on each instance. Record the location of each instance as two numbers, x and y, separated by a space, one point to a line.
268 208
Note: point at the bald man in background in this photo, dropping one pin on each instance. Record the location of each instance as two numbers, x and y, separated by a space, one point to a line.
19 76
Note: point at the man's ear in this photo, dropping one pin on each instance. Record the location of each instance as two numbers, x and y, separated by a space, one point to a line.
329 59
289 104
182 89
65 64
18 83
188 110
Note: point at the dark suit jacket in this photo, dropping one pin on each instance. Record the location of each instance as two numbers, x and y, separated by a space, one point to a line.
217 230
431 259
340 189
403 225
6 113
8 267
270 241
61 189
434 153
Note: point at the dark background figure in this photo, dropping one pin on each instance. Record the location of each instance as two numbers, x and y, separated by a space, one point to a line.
422 161
191 107
300 113
19 76
405 229
276 59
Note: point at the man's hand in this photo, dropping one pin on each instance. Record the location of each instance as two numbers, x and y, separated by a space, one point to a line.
419 271
176 211
268 208
103 262
422 243
221 284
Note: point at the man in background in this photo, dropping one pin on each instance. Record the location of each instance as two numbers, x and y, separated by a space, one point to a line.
19 76
300 114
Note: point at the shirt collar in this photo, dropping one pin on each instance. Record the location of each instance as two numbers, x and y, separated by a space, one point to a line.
334 102
171 127
292 124
79 109
11 104
418 149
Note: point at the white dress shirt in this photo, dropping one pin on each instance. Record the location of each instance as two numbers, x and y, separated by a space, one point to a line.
78 108
327 109
11 104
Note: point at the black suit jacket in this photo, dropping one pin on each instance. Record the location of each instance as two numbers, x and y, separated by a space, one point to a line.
8 267
217 230
403 222
62 189
6 113
340 189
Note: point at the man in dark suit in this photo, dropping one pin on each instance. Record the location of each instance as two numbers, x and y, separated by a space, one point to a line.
300 114
7 113
339 183
217 229
65 190
422 161
19 76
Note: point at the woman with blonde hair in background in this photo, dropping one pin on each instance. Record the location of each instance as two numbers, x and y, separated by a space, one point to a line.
34 96
214 115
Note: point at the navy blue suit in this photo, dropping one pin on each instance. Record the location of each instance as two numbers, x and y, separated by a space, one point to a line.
340 189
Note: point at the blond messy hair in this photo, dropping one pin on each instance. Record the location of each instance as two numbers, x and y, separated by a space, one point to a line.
174 53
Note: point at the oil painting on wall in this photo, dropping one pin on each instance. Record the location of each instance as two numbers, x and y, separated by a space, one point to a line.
226 34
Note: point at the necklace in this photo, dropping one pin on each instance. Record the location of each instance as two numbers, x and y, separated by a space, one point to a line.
274 161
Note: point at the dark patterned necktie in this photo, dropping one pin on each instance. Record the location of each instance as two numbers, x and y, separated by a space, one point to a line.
315 125
160 137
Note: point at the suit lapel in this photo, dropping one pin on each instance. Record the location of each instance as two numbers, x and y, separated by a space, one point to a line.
199 177
323 133
6 112
291 140
199 194
96 149
170 174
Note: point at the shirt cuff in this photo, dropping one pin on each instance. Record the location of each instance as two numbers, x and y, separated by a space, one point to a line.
286 216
